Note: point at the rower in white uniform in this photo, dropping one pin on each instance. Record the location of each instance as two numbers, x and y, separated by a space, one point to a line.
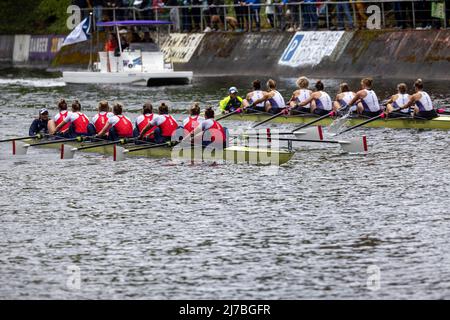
322 102
367 100
252 96
344 97
300 95
273 99
398 101
423 106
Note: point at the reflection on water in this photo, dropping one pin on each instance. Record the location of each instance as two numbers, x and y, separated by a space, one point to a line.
147 228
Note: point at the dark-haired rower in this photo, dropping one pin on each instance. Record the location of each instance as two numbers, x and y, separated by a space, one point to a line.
39 125
78 122
143 120
275 100
423 106
118 126
59 118
252 96
322 102
194 119
164 124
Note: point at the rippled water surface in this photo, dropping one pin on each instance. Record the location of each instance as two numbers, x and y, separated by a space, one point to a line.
317 227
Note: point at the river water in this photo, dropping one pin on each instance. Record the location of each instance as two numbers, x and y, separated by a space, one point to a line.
325 225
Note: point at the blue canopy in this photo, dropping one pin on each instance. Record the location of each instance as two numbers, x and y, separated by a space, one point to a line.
132 23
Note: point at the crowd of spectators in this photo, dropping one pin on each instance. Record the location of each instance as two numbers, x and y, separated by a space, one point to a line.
253 15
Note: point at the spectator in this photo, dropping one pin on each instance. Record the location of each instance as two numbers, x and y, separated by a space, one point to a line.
270 13
294 10
97 7
112 6
195 12
111 43
206 15
174 14
255 8
241 12
157 10
400 14
362 17
343 9
186 16
309 15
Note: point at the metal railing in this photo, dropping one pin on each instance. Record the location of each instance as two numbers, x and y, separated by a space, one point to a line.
326 15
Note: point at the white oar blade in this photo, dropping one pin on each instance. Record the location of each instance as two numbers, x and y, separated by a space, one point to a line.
311 133
355 145
119 153
67 152
19 148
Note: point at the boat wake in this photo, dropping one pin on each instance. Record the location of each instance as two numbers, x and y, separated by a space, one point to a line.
39 83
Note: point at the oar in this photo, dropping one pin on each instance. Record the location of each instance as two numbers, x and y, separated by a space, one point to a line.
330 114
120 152
37 136
381 115
270 118
69 154
229 114
20 148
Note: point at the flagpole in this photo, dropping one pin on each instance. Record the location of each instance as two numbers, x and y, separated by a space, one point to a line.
92 39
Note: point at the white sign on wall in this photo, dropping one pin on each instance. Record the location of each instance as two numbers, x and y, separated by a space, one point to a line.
309 48
21 48
181 46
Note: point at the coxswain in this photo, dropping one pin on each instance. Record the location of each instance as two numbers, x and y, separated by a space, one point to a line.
232 102
421 102
39 125
194 119
344 97
252 96
99 120
78 122
300 95
275 101
143 120
321 101
118 126
367 100
165 125
398 101
59 118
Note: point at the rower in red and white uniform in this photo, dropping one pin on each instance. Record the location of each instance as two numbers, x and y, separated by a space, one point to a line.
344 97
142 121
165 125
78 122
421 102
319 100
217 132
99 120
367 100
118 126
194 119
59 118
398 101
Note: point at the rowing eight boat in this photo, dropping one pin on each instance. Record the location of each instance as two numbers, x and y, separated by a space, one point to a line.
440 123
233 154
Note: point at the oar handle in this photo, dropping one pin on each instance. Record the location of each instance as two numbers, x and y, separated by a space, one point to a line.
229 114
121 141
270 118
79 139
168 144
37 136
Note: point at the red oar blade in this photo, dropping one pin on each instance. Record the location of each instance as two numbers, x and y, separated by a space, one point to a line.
19 148
355 145
310 133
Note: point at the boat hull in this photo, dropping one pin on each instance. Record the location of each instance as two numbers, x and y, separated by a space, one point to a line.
440 123
234 154
138 78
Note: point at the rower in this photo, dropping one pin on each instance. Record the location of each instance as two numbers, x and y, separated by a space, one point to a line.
252 96
78 122
273 97
118 126
99 120
165 125
232 102
217 133
398 101
300 95
423 107
344 97
322 102
194 119
39 125
59 118
368 104
143 120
